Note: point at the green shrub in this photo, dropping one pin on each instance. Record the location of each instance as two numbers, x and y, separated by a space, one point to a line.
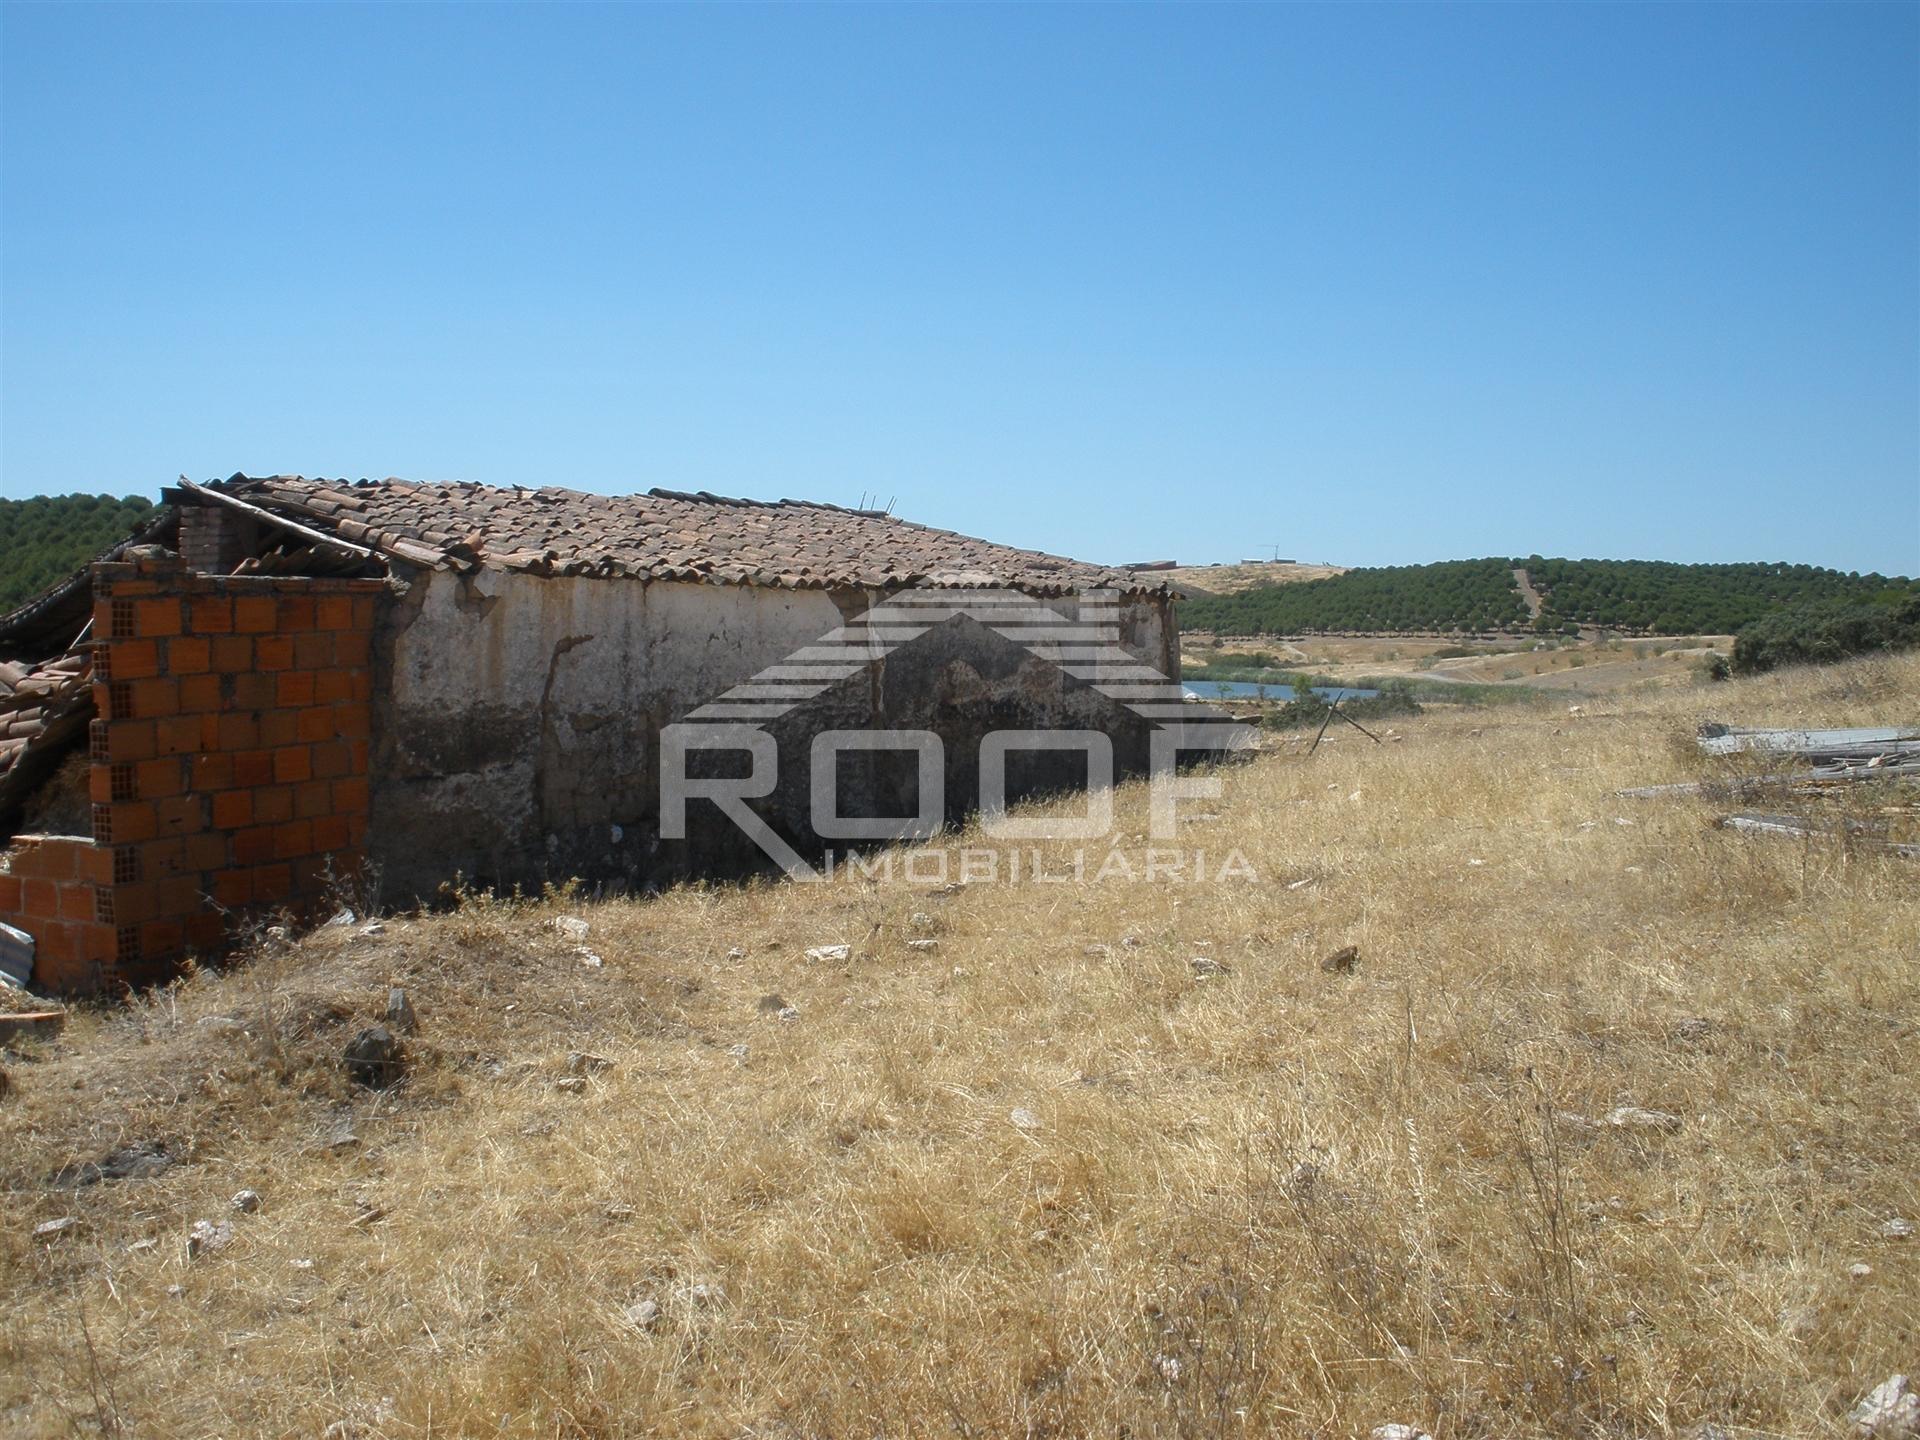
1820 634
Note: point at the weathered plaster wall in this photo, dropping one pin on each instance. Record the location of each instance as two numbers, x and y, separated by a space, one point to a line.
518 717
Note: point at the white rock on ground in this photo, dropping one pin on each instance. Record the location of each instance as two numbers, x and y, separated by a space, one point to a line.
571 926
1397 1431
644 1314
830 952
50 1230
1890 1411
206 1237
1897 1229
246 1201
1024 1119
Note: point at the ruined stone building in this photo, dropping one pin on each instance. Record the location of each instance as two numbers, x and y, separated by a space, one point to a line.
283 684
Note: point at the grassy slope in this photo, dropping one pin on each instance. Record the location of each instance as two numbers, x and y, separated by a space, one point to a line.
894 1255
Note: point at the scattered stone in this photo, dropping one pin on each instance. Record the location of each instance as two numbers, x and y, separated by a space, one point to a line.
341 919
138 1161
1024 1119
920 920
922 944
174 1292
374 929
830 953
571 926
375 1058
1692 1030
1300 884
48 1231
400 1017
1343 961
206 1237
1860 1270
571 1085
1897 1229
1097 952
140 1247
1168 1367
1632 1117
1397 1431
341 1137
590 960
776 1006
580 1062
302 1264
1205 967
644 1315
738 1053
1891 1411
246 1201
738 952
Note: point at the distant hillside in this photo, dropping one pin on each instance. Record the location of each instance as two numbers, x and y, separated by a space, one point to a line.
47 538
1229 579
1644 596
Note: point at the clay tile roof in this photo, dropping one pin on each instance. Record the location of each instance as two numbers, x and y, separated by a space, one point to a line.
662 534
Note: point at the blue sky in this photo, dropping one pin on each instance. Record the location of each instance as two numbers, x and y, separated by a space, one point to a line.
1371 284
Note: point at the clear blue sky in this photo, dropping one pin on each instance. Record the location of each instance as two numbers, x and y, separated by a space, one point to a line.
1373 284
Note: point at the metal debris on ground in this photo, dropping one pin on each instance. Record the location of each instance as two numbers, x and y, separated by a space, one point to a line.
1799 827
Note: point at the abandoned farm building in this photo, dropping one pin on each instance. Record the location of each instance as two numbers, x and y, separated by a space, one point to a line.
284 684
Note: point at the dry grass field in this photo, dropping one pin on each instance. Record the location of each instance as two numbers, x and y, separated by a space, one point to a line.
1046 1176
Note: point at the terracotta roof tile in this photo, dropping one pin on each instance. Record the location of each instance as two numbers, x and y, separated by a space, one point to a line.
662 534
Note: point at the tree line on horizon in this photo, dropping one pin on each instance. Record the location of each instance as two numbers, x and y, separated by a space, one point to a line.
45 539
1651 597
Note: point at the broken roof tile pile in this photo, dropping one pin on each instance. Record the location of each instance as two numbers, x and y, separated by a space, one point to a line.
661 535
42 705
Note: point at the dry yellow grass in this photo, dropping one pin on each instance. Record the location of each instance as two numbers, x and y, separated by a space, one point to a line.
1273 1201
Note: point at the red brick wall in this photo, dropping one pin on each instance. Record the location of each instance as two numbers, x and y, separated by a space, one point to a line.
51 889
229 765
